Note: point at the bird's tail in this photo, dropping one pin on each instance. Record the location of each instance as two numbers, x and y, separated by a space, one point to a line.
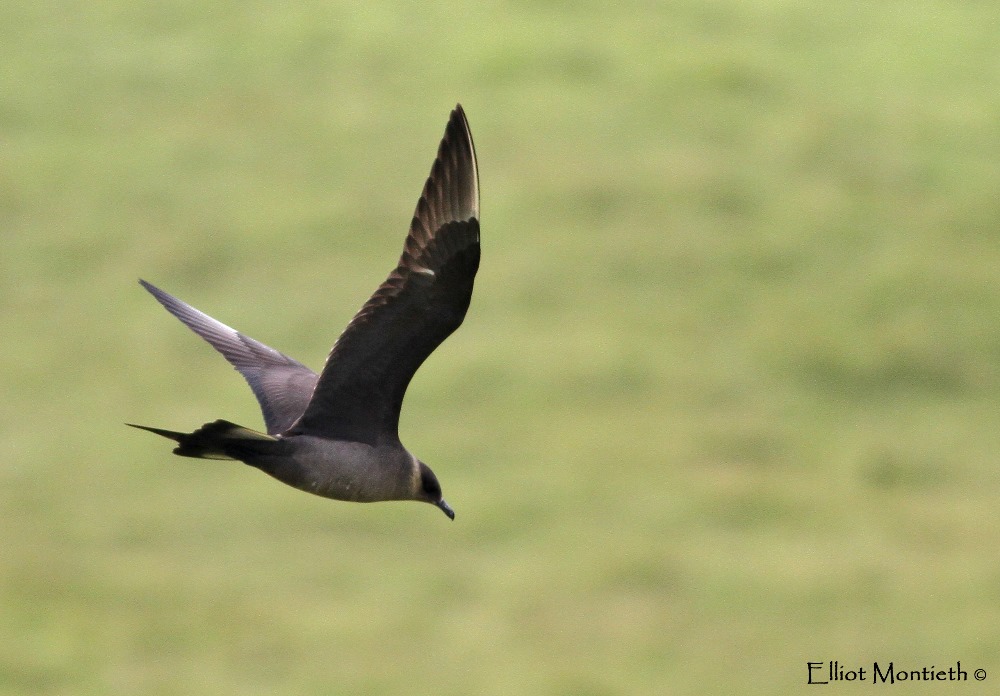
216 440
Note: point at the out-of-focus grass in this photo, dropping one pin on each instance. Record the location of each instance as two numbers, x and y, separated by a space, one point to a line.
725 402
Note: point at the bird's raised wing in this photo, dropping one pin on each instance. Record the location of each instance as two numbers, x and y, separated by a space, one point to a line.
361 388
283 386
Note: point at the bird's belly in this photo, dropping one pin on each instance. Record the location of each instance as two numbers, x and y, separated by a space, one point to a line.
343 488
343 471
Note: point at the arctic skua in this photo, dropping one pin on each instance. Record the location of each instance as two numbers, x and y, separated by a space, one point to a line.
336 434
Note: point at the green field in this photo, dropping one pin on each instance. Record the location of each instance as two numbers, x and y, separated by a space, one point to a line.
727 399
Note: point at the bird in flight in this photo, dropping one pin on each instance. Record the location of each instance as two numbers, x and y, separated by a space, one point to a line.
336 434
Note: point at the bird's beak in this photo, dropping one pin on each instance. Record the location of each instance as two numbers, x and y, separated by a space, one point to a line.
446 509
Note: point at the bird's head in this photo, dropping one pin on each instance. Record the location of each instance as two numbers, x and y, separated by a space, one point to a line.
430 491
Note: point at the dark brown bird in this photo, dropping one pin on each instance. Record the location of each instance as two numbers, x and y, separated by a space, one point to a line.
336 434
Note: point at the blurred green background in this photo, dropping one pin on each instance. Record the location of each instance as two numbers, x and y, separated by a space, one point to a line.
726 400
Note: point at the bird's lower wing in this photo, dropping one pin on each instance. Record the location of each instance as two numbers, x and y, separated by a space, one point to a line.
282 385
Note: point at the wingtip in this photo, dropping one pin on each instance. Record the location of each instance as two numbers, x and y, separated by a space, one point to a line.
160 296
459 130
451 192
458 117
